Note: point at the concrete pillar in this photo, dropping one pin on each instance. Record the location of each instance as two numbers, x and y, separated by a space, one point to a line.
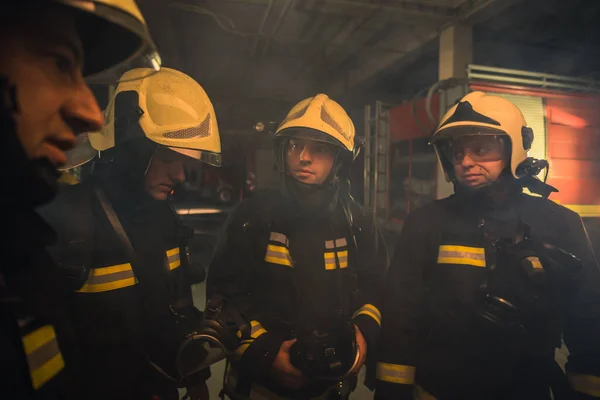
456 51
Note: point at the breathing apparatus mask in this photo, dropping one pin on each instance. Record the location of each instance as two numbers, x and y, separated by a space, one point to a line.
216 337
327 354
527 281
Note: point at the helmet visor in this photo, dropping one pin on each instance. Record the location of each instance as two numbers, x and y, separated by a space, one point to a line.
197 353
310 134
207 157
80 154
480 145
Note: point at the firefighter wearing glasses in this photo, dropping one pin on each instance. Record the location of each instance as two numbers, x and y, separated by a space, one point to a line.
484 283
304 265
46 50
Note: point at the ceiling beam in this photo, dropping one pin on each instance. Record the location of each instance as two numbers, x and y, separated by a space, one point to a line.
368 69
407 7
157 16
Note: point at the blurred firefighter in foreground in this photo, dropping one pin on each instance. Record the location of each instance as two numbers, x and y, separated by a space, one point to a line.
484 283
46 48
123 248
304 267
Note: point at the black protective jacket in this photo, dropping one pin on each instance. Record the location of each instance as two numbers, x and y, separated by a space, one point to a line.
37 348
39 355
431 328
121 309
288 271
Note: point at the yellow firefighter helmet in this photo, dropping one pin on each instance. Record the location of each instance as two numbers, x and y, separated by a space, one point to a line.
170 108
479 113
114 35
323 116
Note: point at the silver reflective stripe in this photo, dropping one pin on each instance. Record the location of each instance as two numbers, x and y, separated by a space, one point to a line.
174 257
329 244
465 255
341 242
97 279
273 251
278 237
461 254
109 278
43 354
394 373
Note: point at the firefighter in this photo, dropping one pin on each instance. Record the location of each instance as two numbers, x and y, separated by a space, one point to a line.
46 48
485 283
304 265
121 245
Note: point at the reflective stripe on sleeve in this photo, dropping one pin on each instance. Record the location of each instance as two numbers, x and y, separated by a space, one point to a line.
588 384
465 255
174 258
394 373
256 330
279 238
278 255
371 311
43 355
535 262
109 278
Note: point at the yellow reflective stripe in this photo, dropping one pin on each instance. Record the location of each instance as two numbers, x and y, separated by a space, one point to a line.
105 287
394 373
278 255
371 311
329 260
343 258
173 258
535 262
241 349
38 338
173 251
588 384
256 329
110 270
109 278
49 370
43 355
451 254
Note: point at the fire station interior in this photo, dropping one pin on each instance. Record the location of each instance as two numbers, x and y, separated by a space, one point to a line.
395 65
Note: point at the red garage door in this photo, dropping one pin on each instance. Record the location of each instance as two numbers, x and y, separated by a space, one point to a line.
574 152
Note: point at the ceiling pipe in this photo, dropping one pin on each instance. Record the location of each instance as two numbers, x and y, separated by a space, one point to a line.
262 26
278 23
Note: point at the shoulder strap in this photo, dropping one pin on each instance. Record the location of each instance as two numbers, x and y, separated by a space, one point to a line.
112 217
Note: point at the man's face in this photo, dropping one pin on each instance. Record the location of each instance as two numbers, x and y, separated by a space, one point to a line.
478 160
42 56
309 161
165 171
